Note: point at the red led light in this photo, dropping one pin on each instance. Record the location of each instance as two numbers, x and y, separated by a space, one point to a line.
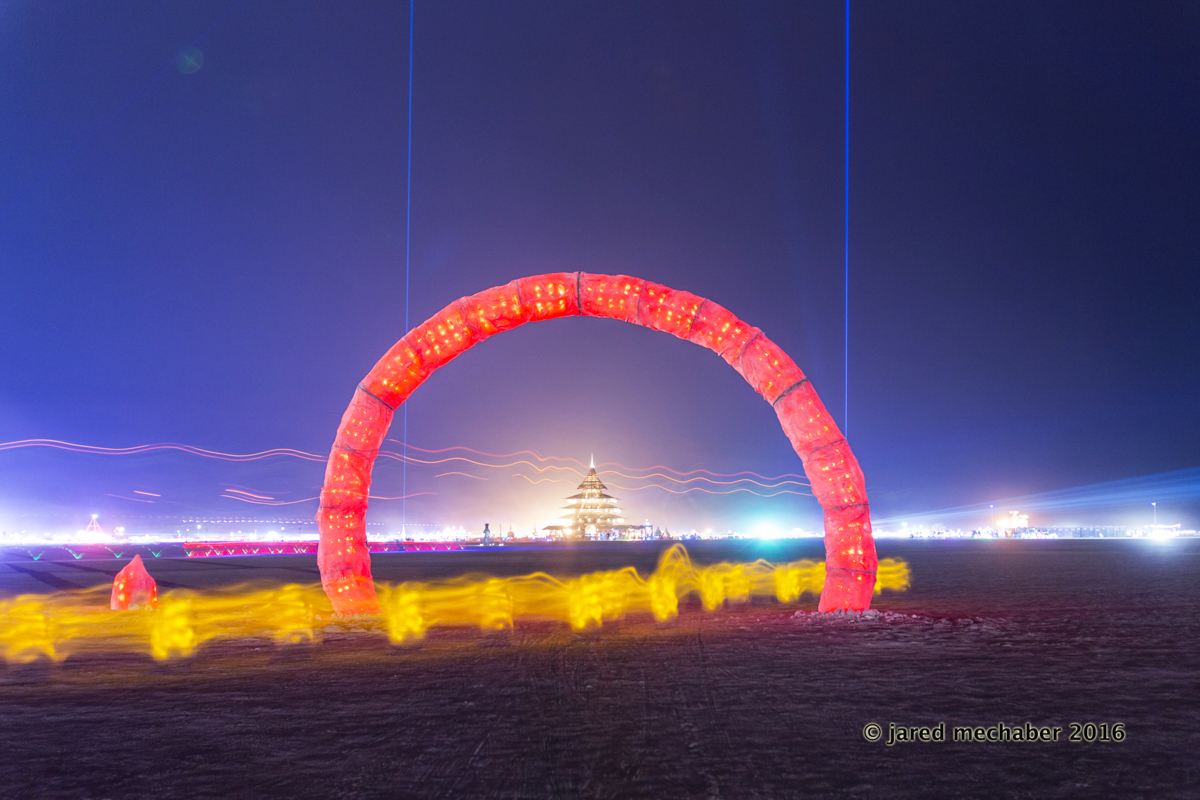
837 481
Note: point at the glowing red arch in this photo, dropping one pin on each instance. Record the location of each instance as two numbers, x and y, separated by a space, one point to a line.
837 481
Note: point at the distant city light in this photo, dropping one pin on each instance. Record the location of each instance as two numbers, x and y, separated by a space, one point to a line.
766 530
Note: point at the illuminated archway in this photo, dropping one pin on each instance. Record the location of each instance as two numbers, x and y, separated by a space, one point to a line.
837 481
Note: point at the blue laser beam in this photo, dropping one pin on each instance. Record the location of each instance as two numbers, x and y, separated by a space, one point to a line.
846 243
407 256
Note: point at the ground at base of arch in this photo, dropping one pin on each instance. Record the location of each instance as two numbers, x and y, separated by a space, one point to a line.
755 701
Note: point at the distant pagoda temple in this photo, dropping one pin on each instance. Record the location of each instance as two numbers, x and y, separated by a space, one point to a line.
592 513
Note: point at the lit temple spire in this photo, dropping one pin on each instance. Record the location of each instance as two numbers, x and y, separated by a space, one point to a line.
592 513
592 464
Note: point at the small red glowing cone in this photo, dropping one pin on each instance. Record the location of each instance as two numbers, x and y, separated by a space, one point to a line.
133 588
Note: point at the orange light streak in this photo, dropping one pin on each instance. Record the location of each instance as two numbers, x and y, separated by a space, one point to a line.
293 453
399 497
123 497
250 494
708 472
411 460
146 448
540 457
531 465
318 497
543 480
673 491
272 502
533 453
708 491
709 480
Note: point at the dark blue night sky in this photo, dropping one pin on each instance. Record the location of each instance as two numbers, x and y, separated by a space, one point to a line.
216 256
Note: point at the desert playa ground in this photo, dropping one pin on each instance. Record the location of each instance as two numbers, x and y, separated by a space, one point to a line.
750 701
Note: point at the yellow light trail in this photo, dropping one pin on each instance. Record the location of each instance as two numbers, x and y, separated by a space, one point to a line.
63 624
